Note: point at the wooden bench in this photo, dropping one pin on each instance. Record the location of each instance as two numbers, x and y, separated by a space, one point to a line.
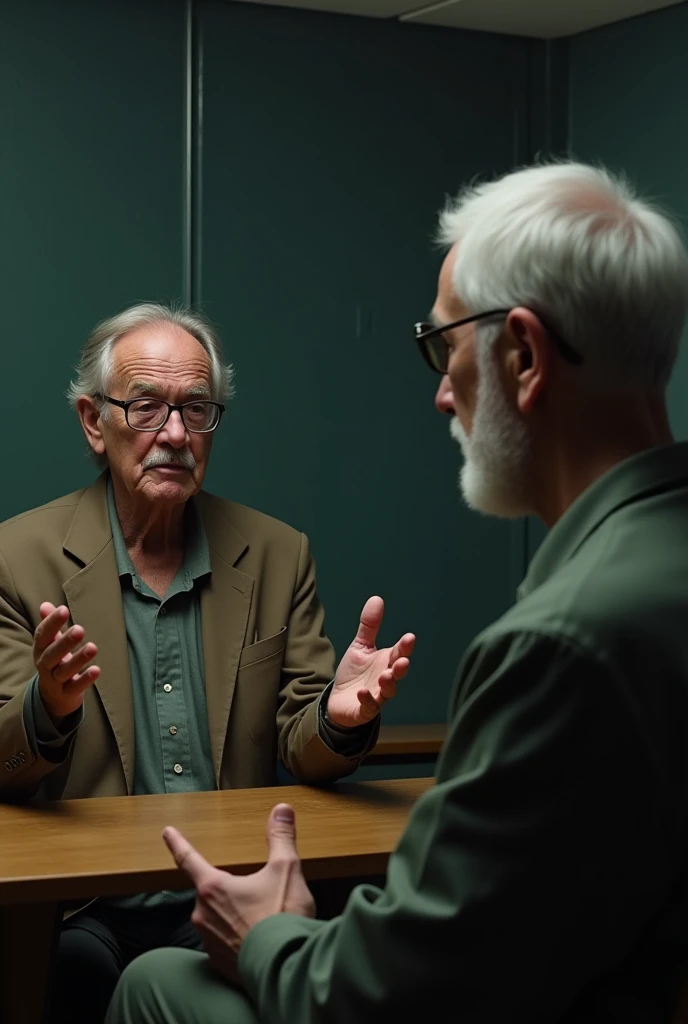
408 744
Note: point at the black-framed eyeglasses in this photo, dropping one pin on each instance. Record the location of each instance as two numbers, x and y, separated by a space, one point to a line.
151 414
435 349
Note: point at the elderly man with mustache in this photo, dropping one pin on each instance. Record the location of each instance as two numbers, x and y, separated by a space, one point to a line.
203 616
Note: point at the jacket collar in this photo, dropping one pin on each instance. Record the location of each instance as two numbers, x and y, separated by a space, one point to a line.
651 472
90 531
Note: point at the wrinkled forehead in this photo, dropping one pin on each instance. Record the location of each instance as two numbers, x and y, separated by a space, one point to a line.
158 355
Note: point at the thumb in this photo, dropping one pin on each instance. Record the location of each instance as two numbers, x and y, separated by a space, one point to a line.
281 833
371 620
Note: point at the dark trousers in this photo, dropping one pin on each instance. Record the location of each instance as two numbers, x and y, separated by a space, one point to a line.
96 945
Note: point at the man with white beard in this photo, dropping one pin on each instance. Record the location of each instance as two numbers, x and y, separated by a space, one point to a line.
544 877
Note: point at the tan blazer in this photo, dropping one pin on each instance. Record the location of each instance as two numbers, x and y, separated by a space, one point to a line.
266 656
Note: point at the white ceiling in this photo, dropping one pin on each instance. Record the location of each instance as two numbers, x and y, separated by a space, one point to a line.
545 19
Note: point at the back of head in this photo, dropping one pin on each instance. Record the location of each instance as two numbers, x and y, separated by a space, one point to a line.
605 269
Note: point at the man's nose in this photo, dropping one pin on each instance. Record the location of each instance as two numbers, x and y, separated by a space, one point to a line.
174 432
444 399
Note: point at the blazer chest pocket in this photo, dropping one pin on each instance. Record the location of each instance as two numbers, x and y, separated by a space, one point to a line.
257 686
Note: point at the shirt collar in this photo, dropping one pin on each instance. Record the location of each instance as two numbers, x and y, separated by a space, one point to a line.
651 472
196 551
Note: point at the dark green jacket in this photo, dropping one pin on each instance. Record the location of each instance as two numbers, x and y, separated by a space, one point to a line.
543 878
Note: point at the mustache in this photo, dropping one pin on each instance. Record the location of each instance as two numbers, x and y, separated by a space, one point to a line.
165 457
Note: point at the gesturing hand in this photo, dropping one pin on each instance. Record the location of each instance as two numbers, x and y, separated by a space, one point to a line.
228 906
367 677
63 675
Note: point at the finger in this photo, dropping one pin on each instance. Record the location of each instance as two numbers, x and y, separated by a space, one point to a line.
221 949
72 664
65 644
77 684
206 919
46 609
213 942
404 648
387 680
400 668
371 620
369 703
50 626
61 644
370 707
281 834
385 689
189 860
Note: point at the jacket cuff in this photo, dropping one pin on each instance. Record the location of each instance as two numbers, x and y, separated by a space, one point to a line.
349 743
46 738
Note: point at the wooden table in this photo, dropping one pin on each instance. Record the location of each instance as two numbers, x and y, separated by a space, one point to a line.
80 849
407 744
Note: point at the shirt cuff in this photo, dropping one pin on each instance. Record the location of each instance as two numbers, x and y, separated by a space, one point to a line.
351 743
265 948
42 732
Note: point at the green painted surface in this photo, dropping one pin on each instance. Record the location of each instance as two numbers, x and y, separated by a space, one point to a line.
628 91
328 145
91 108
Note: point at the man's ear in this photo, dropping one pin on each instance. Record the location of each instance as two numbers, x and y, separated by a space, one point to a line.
529 356
89 416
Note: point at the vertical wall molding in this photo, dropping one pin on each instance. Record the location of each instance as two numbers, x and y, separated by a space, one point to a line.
193 156
196 282
187 179
547 106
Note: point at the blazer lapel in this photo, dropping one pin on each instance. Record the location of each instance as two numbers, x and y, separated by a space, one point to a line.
94 598
225 605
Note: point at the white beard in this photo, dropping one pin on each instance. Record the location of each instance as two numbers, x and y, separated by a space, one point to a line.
495 476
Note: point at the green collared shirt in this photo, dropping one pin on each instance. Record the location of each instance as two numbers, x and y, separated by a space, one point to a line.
172 742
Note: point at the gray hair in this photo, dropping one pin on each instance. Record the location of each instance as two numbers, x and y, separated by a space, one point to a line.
575 244
95 362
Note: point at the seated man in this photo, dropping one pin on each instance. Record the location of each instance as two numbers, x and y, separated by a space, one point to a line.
544 877
204 618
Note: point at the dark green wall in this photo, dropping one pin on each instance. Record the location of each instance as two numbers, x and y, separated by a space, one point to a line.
320 189
91 165
628 101
284 168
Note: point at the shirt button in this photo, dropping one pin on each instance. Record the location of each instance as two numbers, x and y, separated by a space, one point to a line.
167 687
173 730
163 610
178 769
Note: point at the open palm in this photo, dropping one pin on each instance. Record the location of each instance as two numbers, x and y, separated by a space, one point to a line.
367 677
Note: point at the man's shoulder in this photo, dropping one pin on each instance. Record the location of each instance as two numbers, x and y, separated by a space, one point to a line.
247 521
56 514
609 599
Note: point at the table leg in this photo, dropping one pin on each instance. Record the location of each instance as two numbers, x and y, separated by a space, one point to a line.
28 932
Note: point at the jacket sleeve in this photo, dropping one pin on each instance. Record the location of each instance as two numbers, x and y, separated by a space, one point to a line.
529 869
24 760
308 751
